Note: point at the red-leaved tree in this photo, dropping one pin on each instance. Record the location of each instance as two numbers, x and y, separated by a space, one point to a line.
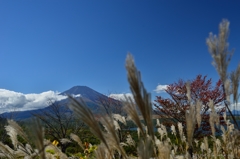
172 110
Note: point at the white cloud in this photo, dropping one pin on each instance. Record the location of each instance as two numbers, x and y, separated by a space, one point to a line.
10 100
77 95
160 88
121 97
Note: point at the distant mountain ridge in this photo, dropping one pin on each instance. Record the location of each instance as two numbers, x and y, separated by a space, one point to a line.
89 96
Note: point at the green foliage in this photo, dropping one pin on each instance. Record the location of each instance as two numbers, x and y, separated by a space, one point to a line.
50 151
130 150
71 150
87 136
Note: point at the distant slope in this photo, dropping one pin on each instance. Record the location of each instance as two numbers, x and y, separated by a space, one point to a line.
89 96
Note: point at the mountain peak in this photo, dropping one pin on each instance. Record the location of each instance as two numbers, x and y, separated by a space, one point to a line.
84 91
79 87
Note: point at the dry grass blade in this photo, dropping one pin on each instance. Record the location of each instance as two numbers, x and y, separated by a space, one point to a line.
141 97
145 149
38 137
102 153
131 110
87 117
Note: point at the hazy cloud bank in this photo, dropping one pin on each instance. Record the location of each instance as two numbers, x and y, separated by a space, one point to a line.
10 100
121 97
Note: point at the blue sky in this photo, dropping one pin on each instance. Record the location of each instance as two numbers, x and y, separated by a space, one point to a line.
55 44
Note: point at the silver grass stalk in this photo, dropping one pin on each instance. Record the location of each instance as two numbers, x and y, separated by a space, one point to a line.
130 141
175 147
224 134
7 151
141 97
225 116
211 105
13 129
180 129
65 141
75 138
184 138
218 145
205 140
108 122
215 149
29 148
172 156
158 123
13 135
173 129
145 149
214 118
188 91
196 142
190 117
116 125
235 77
21 151
227 89
198 112
138 132
230 127
146 129
164 150
202 147
85 115
18 129
218 48
190 123
164 130
2 155
161 132
119 118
